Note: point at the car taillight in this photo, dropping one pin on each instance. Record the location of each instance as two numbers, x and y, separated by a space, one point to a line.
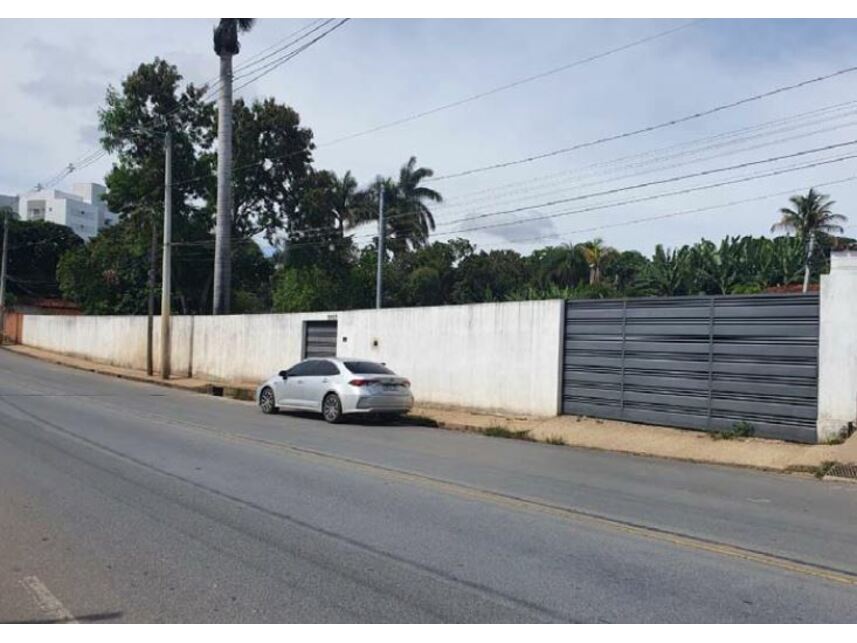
407 383
359 382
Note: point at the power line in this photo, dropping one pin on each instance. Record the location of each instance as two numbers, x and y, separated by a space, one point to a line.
513 84
704 143
645 130
245 70
637 186
267 69
669 215
642 199
708 186
510 198
98 153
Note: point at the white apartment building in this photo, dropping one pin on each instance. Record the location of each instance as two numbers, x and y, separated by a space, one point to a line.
82 210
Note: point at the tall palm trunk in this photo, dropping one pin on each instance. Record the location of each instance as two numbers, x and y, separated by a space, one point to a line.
810 250
223 230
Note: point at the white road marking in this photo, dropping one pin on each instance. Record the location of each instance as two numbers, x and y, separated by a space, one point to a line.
46 601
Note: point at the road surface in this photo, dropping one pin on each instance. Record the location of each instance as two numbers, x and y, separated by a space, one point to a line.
125 502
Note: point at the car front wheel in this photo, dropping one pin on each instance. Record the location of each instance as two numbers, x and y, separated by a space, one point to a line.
331 408
267 402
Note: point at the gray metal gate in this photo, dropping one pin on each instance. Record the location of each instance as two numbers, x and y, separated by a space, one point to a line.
320 339
696 362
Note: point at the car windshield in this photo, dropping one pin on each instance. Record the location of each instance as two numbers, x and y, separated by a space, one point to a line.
368 368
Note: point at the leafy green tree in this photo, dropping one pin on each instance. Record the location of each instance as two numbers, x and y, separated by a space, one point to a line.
272 154
718 269
596 255
560 266
108 275
809 216
426 276
624 272
133 123
489 276
308 288
35 248
668 271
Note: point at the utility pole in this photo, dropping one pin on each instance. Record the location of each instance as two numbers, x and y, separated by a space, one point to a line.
3 276
153 254
379 279
223 226
166 267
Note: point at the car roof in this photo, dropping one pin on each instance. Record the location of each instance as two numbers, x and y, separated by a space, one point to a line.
343 359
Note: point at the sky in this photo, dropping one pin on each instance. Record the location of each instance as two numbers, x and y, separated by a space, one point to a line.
372 72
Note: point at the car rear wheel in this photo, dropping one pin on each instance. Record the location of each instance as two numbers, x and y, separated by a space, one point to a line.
331 408
267 402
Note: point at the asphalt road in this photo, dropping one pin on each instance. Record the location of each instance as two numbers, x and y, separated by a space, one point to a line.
128 502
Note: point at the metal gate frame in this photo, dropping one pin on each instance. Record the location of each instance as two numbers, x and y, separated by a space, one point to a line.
703 362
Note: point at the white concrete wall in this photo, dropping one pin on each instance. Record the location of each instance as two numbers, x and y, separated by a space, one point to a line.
116 340
837 352
502 357
248 348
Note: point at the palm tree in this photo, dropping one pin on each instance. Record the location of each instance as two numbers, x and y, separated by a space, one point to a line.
410 219
810 215
226 46
667 273
596 255
351 206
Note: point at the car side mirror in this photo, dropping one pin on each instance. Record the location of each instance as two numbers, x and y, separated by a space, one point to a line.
284 374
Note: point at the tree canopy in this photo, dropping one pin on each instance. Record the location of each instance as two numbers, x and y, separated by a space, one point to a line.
307 219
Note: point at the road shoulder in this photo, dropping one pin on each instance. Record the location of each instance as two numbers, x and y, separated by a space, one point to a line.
574 431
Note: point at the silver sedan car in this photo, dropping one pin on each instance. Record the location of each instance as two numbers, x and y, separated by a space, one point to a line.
336 387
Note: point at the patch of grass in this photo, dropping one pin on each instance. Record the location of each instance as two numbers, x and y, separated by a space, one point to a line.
556 439
739 430
824 468
511 434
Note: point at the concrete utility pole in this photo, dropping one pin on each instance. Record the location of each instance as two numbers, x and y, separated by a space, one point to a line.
379 279
166 267
153 253
3 276
223 226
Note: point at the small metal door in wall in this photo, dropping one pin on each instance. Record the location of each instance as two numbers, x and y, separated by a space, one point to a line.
319 339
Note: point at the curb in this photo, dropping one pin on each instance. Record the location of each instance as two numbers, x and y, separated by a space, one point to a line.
210 388
246 393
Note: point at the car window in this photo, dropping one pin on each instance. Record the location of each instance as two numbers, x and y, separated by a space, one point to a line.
302 368
327 368
368 368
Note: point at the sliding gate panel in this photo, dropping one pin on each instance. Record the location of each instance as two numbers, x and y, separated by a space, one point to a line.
319 339
696 362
